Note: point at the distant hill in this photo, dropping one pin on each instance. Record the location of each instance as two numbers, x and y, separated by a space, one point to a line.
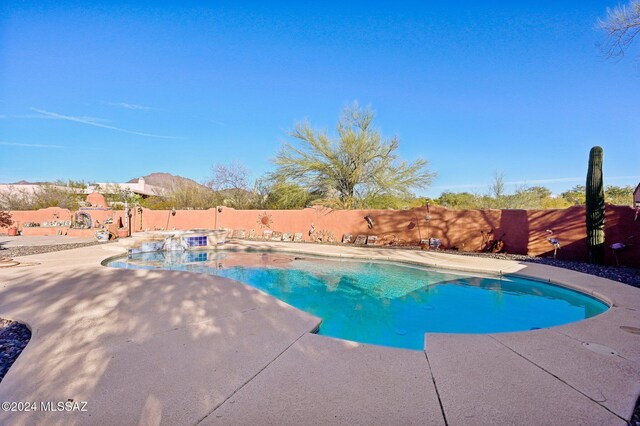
167 180
24 182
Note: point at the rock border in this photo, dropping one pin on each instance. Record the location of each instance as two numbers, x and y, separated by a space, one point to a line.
14 337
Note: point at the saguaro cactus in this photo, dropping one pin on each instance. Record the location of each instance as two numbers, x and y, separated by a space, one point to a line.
595 207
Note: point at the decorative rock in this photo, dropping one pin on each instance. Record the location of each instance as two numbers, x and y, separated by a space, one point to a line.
55 223
347 238
372 240
13 339
361 240
286 237
29 250
297 237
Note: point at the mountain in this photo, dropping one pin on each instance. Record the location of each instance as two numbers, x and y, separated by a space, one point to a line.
24 182
167 180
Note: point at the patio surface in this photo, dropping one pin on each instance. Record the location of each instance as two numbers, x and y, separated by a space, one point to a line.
164 347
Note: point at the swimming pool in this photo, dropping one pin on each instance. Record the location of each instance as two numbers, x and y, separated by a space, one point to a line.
383 303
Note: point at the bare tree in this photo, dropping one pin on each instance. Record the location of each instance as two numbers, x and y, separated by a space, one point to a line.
621 25
232 183
496 187
13 198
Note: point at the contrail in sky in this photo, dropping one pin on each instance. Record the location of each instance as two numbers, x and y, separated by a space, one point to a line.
96 124
30 145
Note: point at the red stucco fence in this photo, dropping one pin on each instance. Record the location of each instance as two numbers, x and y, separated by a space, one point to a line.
523 231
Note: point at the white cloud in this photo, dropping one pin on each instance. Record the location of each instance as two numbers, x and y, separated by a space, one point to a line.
46 117
127 105
97 124
31 145
10 116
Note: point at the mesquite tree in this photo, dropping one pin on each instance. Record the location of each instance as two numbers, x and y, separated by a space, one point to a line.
621 25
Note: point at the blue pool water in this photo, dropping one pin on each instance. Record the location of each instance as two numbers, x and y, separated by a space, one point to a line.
385 303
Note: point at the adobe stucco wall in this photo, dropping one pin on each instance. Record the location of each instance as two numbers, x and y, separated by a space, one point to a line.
20 218
523 231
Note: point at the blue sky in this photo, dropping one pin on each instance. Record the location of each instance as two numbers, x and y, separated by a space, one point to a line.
108 91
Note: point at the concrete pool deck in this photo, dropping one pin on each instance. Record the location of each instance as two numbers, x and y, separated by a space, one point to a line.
165 347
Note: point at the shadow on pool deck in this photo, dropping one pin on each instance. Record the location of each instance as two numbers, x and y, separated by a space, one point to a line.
107 336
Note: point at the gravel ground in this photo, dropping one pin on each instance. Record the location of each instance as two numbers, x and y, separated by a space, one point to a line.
29 250
635 419
13 339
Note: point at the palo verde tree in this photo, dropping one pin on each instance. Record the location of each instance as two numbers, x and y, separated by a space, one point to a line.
357 165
